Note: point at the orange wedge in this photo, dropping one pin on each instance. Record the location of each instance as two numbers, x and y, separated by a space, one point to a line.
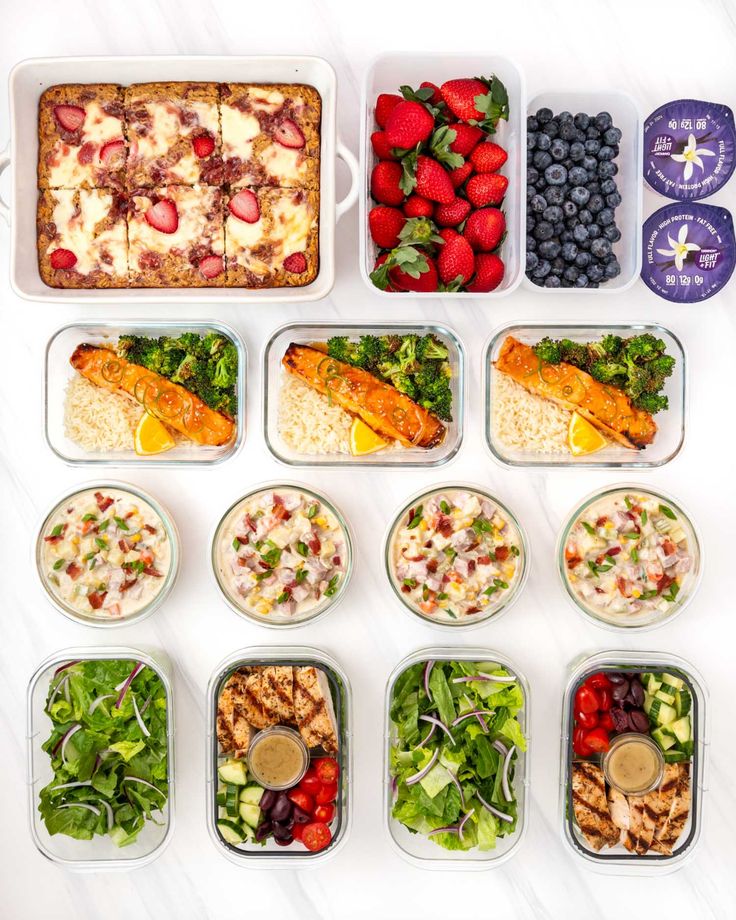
364 440
152 436
582 437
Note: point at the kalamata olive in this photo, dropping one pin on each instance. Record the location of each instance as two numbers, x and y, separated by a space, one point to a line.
620 690
284 841
616 678
281 831
636 692
300 816
281 808
620 720
267 800
263 830
639 721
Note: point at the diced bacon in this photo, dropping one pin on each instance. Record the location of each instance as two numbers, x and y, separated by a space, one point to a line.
151 570
103 503
314 544
501 553
336 560
483 560
125 545
432 565
280 512
73 570
664 582
623 586
58 537
149 529
96 599
444 526
128 584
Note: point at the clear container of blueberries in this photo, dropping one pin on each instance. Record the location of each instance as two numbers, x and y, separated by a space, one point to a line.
628 214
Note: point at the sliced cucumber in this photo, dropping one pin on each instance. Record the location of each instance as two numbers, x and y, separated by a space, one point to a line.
683 703
251 814
252 795
662 713
647 704
231 832
232 801
682 730
220 798
675 756
233 772
664 739
651 683
677 682
668 698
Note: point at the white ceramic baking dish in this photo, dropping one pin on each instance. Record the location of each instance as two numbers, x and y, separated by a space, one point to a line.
29 78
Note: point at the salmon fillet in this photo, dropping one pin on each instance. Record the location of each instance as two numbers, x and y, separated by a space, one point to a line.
381 406
606 407
233 729
315 714
590 806
170 403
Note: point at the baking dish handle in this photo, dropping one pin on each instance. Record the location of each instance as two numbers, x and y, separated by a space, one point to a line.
349 200
4 163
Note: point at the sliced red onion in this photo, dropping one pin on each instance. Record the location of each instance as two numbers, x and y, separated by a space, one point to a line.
486 677
461 826
478 713
57 688
394 784
95 703
426 738
64 667
124 686
143 782
456 781
505 774
145 706
439 724
65 740
427 671
139 720
70 785
500 747
95 811
423 772
108 809
450 829
494 811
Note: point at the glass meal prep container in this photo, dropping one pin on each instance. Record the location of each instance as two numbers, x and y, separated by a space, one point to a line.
417 848
274 376
670 422
123 569
648 543
672 690
222 817
479 553
100 853
59 373
308 551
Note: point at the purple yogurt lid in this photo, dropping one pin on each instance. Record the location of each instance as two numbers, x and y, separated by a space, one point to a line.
689 148
689 251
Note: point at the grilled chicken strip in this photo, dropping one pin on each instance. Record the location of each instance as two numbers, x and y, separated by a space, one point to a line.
381 406
590 806
618 807
315 714
170 403
673 822
606 407
234 732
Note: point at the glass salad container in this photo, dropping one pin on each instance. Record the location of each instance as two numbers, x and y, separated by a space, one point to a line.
433 586
301 572
670 422
664 827
416 847
59 373
47 572
100 853
228 826
276 413
668 575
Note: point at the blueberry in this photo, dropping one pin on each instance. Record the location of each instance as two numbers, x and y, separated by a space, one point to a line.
555 194
580 233
531 140
544 230
565 283
592 133
607 169
558 266
613 269
594 231
603 121
594 187
552 128
566 236
559 228
556 174
549 249
590 163
551 281
600 248
612 136
612 234
532 175
530 222
585 217
614 199
569 251
541 184
568 131
606 153
596 203
553 213
580 196
595 273
531 261
571 273
544 115
537 281
538 204
564 117
531 243
530 192
606 217
529 155
569 208
578 175
543 141
577 151
531 123
559 149
582 281
581 120
542 159
543 269
608 187
583 259
592 147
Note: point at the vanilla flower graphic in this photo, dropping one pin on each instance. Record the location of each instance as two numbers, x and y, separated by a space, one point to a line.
692 154
681 248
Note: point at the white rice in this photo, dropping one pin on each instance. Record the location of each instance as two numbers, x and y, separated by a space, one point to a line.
308 422
98 420
522 421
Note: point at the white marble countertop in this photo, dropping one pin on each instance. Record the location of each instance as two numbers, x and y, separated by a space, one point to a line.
686 49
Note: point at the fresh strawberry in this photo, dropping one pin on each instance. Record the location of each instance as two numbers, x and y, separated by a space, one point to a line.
488 157
416 206
69 117
459 175
204 144
385 104
456 261
163 216
379 262
433 181
452 214
408 124
466 137
488 273
381 146
289 134
211 266
385 225
296 263
449 233
62 258
477 101
486 188
245 206
385 180
427 280
86 153
484 229
112 153
436 96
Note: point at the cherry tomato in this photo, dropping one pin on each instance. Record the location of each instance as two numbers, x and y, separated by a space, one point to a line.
316 836
586 699
327 769
310 782
327 794
597 740
297 831
324 813
302 799
579 745
604 698
586 720
599 681
606 721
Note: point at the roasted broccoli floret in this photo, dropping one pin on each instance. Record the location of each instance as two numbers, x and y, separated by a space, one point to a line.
643 347
607 371
339 348
225 372
437 398
368 351
548 350
404 384
429 348
574 353
652 402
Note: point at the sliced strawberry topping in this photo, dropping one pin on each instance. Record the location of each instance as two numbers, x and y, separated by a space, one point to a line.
211 266
203 145
86 153
245 206
62 258
296 263
70 117
163 216
113 153
289 134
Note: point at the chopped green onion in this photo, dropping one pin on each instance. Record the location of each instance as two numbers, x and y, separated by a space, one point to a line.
410 582
414 522
332 586
283 597
444 507
89 517
668 512
58 564
644 517
634 555
101 543
302 549
481 525
121 523
301 574
236 544
103 525
312 511
588 527
58 530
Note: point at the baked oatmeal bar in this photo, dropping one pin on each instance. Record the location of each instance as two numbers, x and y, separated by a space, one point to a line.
81 136
173 132
176 237
270 134
82 238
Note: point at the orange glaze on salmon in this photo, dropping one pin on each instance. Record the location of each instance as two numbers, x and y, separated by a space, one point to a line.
170 403
604 406
381 406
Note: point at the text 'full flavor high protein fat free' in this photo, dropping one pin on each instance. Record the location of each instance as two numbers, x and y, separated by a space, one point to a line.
689 251
689 148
